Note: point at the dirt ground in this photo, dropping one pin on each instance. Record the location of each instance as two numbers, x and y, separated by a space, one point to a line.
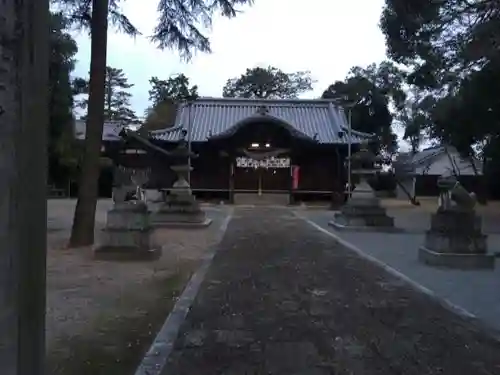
102 316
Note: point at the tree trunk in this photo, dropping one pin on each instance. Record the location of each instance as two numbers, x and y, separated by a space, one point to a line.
82 233
24 45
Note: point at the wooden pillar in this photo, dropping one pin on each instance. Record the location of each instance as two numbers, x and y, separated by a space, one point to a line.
259 191
293 147
24 44
291 199
333 195
337 179
231 179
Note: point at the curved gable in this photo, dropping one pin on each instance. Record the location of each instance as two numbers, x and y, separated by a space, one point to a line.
262 118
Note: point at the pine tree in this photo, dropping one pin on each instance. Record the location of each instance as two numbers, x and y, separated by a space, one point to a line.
117 98
180 27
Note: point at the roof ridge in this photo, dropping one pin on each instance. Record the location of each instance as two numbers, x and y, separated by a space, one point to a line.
268 101
435 147
259 104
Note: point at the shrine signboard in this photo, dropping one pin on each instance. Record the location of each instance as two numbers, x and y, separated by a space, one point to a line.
271 162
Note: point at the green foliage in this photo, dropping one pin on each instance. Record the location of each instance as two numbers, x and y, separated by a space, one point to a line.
79 14
165 96
179 27
63 49
268 83
387 77
181 24
367 92
451 50
80 86
471 116
415 118
176 88
441 40
116 98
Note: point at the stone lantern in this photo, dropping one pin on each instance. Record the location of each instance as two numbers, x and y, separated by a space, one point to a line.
363 210
180 208
127 233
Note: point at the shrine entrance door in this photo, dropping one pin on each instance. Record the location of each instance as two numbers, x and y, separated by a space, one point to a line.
266 180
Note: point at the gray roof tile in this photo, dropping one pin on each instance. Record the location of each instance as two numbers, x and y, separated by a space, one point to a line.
111 130
422 157
427 156
320 119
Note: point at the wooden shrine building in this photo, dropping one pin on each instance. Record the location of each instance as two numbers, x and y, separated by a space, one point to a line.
294 148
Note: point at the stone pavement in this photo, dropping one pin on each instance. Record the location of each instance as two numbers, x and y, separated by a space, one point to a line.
281 297
476 291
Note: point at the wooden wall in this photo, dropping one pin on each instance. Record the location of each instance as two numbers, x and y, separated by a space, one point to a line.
320 171
320 168
210 169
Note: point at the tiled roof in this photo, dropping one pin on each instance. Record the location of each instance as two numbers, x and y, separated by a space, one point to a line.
208 117
421 158
427 157
111 130
427 154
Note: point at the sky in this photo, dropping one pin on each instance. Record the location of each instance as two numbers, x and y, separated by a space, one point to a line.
326 37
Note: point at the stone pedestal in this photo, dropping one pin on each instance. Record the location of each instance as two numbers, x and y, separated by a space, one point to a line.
127 235
180 209
455 240
363 212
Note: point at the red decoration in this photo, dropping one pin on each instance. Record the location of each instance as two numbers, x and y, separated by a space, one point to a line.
295 176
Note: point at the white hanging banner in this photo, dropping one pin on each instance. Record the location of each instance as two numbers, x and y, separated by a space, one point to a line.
272 162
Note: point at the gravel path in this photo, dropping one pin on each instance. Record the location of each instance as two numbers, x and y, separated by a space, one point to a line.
284 298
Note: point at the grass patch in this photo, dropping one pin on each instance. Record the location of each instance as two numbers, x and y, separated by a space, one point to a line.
118 343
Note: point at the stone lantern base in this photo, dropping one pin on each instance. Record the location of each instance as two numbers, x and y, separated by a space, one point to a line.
363 212
455 240
127 235
180 209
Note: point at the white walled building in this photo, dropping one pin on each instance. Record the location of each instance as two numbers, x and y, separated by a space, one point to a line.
427 165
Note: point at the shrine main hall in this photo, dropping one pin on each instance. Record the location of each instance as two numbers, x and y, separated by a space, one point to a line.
294 149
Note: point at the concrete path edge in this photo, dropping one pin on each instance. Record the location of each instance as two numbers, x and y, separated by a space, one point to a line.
415 285
156 357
